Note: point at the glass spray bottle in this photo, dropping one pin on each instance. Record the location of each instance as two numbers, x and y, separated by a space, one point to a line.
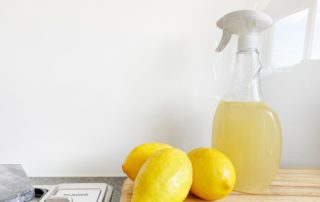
245 128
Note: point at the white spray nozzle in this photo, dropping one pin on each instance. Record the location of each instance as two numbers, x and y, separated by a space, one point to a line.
244 23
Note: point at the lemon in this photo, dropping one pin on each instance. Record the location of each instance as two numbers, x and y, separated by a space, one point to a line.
165 177
213 174
138 156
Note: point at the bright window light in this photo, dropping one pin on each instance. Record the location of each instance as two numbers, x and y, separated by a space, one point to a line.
315 53
288 40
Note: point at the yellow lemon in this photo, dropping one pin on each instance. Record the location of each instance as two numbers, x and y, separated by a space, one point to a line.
213 174
138 156
165 177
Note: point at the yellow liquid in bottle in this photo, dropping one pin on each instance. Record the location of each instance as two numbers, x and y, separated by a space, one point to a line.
249 134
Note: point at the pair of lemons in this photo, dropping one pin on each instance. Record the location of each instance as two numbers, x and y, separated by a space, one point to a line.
163 173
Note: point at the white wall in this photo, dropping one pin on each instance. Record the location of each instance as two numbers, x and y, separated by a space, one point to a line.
82 82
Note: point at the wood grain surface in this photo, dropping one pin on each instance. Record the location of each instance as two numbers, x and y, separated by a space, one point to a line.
291 185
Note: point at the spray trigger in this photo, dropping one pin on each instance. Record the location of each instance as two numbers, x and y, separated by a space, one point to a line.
226 36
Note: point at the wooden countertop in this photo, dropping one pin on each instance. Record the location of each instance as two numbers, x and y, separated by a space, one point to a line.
291 185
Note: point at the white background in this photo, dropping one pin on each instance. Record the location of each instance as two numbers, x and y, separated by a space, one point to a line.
82 82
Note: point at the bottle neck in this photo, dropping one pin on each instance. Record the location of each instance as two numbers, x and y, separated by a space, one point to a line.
245 86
